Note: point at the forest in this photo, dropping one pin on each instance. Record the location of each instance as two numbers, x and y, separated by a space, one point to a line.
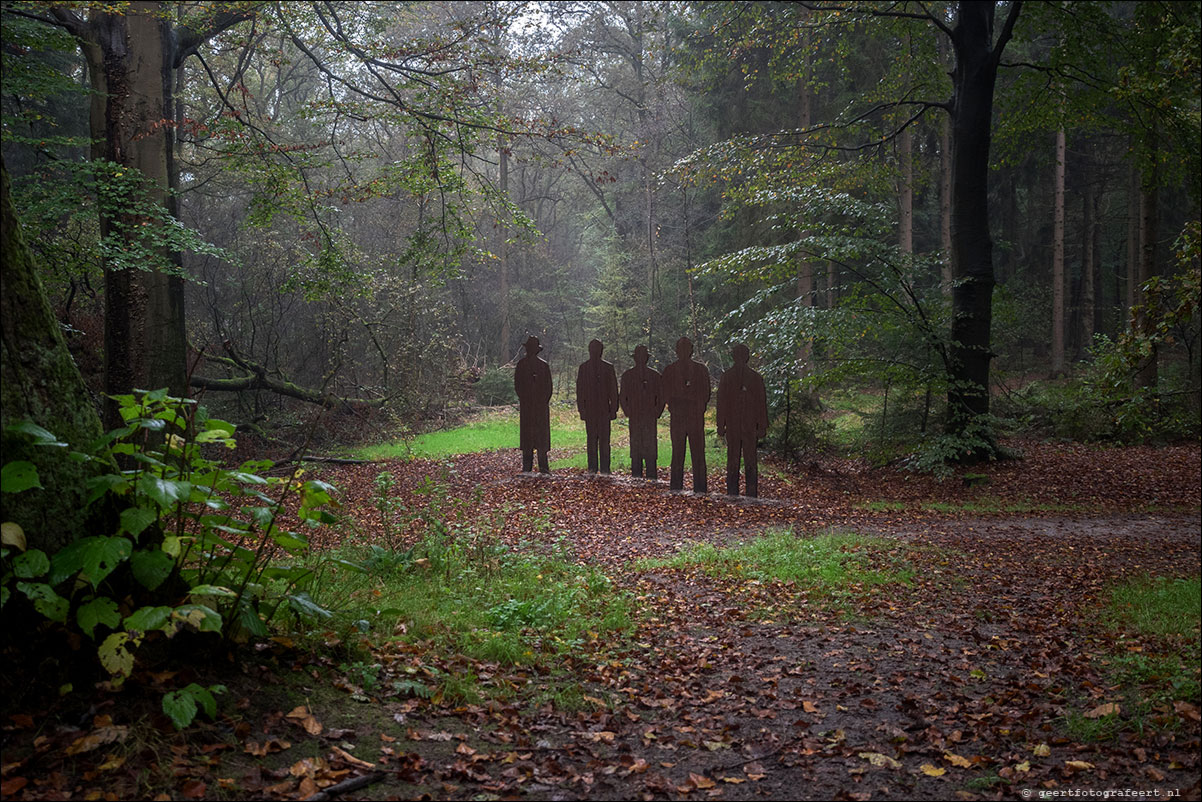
268 268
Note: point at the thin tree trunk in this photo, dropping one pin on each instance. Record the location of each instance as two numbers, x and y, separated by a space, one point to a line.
1088 257
1058 361
945 205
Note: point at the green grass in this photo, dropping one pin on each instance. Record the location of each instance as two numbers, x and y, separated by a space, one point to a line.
831 566
494 431
1155 622
1158 606
462 591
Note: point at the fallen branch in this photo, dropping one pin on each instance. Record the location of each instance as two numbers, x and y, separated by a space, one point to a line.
353 784
260 380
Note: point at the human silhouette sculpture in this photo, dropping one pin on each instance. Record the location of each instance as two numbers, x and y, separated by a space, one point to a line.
597 403
532 383
642 399
686 386
742 420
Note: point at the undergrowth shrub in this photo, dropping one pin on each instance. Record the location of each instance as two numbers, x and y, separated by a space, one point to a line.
196 547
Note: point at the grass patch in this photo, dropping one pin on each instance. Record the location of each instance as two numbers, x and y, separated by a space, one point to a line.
830 566
493 431
1158 606
462 591
1155 622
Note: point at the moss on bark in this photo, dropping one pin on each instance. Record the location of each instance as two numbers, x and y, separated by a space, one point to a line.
40 382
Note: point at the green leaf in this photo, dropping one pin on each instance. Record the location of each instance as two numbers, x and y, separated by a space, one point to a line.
180 707
135 520
289 541
151 567
31 564
19 476
98 486
100 610
40 436
145 619
204 619
95 556
165 492
212 590
115 657
205 697
45 600
248 619
304 605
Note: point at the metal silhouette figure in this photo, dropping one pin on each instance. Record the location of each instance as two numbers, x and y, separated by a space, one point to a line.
742 420
597 403
686 386
642 399
532 383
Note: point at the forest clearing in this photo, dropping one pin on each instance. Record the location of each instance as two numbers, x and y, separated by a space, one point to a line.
360 358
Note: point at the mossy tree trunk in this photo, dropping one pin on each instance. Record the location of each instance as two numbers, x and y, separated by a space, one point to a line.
39 382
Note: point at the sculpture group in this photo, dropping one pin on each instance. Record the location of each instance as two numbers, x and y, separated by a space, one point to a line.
684 388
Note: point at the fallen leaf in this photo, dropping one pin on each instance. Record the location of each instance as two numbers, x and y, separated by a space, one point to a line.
957 760
102 736
1024 766
809 707
1108 709
1043 750
1078 765
12 785
193 789
301 715
701 781
266 748
932 771
880 761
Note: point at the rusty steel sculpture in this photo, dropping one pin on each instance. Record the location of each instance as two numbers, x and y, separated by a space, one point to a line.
742 420
532 383
686 386
597 403
641 398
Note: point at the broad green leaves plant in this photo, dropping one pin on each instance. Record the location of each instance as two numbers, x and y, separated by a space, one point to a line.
192 549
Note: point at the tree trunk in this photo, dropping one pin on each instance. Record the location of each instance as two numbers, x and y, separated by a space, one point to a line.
1058 363
130 58
1133 249
39 382
905 195
806 296
1089 289
1145 307
945 205
973 81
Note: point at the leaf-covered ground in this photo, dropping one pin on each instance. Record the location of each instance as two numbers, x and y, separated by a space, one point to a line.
989 671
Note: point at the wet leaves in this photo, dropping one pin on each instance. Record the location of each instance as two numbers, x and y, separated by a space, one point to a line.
961 678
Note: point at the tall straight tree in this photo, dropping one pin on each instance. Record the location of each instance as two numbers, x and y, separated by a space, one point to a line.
132 54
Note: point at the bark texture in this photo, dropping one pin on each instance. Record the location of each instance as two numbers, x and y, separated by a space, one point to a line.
39 382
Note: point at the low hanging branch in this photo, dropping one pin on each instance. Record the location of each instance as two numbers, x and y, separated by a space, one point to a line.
259 379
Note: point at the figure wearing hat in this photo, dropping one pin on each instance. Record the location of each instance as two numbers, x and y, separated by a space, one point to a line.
597 403
742 420
687 388
642 399
532 383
